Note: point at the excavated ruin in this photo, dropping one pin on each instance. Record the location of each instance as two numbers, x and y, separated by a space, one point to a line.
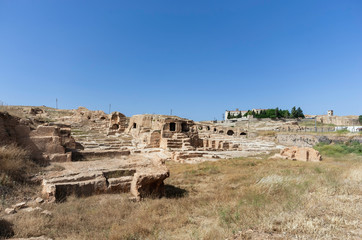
101 153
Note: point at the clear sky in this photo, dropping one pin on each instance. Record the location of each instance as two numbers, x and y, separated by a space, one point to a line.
198 58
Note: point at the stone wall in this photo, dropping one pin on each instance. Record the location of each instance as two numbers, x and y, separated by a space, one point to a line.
339 120
309 140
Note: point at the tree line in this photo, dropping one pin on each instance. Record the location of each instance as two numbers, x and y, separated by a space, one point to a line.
271 113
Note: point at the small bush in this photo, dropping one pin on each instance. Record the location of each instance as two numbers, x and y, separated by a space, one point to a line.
342 131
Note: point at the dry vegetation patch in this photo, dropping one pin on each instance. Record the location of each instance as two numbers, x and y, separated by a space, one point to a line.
276 199
16 167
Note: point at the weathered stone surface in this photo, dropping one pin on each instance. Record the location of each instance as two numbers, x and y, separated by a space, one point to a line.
338 120
309 140
106 176
44 143
10 210
47 213
36 110
32 209
149 183
301 154
117 124
20 205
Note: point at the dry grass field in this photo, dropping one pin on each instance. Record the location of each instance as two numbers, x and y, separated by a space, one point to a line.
246 198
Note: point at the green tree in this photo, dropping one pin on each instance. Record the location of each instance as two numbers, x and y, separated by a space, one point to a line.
277 114
300 113
229 115
286 113
360 119
294 112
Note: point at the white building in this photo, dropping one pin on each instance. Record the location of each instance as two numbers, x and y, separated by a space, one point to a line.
234 113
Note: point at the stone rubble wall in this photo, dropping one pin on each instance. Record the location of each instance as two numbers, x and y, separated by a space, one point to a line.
309 140
339 120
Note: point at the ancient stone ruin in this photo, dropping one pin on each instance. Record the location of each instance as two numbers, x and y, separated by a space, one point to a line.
100 153
305 154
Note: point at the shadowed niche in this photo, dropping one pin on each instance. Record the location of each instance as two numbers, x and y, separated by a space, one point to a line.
174 192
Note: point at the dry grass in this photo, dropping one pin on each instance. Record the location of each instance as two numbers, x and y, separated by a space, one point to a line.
15 164
15 169
277 199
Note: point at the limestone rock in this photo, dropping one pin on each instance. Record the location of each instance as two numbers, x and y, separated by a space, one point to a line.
47 213
10 210
144 174
20 205
35 111
117 124
301 154
31 209
147 183
48 143
39 200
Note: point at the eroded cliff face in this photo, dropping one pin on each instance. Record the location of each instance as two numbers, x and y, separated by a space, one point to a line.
309 140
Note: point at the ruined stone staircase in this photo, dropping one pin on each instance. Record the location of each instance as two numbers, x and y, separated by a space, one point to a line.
97 144
179 141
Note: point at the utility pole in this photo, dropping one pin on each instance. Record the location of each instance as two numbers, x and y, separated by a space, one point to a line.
109 109
56 103
171 112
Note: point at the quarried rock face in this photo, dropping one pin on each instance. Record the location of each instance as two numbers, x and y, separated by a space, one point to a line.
49 143
149 183
117 123
142 177
161 131
305 154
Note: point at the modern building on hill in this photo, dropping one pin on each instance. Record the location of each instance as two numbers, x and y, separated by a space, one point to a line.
234 114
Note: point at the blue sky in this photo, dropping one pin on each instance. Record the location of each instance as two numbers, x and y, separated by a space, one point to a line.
198 58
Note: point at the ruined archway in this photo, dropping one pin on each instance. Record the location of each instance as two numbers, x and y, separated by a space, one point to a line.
221 131
230 132
172 126
134 125
243 134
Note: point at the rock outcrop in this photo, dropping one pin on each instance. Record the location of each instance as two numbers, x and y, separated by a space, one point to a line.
117 123
140 176
304 154
45 143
